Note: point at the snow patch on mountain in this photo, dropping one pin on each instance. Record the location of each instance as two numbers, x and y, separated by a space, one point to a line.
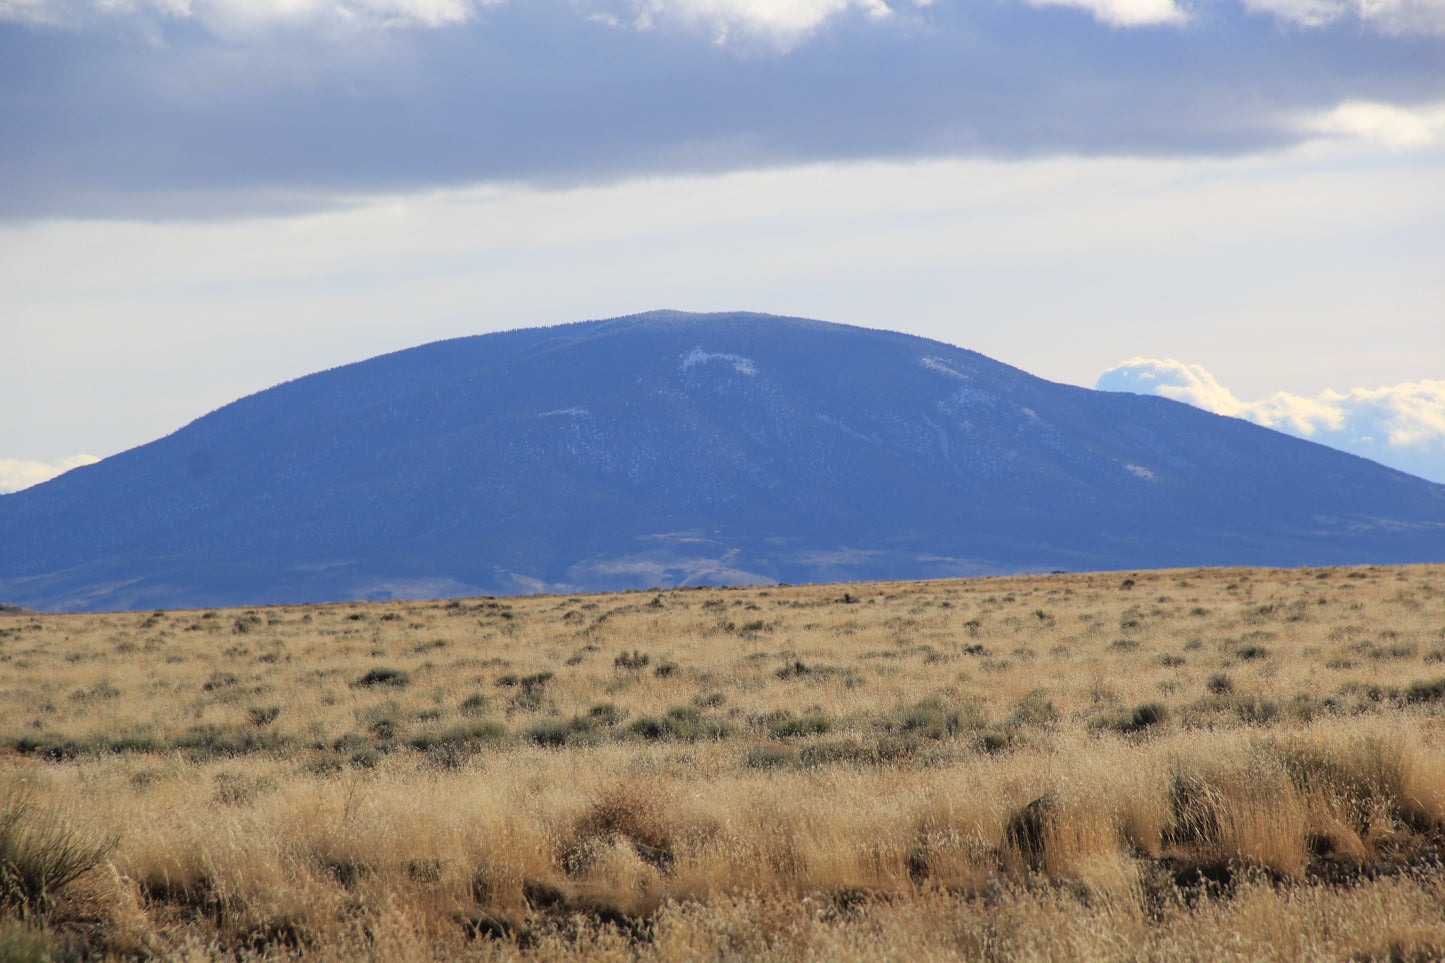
871 439
942 435
938 364
740 364
964 399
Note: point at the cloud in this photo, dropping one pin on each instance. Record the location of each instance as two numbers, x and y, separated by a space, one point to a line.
1189 383
233 17
159 109
1394 127
1124 13
1388 16
15 475
784 22
1402 425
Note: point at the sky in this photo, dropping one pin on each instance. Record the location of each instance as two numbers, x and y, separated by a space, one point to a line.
1239 204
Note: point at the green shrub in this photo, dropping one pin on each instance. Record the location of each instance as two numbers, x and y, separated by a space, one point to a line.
836 751
529 698
649 727
557 732
535 682
1140 718
1147 714
1034 709
995 742
605 714
364 758
681 723
136 741
246 623
1255 710
784 724
898 748
485 731
793 670
474 705
771 757
207 741
220 680
1425 691
631 661
932 719
382 675
687 724
386 726
1305 707
1219 684
324 764
471 735
239 789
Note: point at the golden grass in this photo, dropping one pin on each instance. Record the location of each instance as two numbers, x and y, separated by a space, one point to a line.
1188 764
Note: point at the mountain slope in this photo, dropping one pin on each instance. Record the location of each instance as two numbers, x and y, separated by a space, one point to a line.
668 447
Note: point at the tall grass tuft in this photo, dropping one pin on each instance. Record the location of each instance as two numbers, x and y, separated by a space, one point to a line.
41 854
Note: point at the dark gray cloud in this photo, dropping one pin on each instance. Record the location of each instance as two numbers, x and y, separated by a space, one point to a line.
166 116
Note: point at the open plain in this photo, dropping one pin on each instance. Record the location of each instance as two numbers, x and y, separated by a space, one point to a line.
1202 764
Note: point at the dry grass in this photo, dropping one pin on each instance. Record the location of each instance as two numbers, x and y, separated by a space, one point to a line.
1191 764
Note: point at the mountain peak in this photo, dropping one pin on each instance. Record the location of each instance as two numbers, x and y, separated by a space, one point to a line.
671 448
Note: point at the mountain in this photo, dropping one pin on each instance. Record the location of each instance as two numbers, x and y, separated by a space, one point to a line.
670 448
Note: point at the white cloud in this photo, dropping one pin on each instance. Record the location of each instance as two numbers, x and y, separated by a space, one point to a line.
15 475
1397 128
784 21
1172 379
781 22
1124 13
1387 16
232 16
1402 425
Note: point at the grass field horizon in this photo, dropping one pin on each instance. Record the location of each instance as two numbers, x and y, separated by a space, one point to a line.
1198 764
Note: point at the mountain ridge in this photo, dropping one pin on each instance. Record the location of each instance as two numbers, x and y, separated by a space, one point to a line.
666 448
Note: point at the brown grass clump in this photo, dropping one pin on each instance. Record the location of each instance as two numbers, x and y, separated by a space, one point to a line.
1193 764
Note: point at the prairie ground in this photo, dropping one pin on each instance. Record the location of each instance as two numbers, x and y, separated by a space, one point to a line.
1199 764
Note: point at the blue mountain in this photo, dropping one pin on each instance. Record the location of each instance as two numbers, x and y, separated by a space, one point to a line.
670 448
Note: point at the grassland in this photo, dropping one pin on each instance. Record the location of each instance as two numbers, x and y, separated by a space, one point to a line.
1192 764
